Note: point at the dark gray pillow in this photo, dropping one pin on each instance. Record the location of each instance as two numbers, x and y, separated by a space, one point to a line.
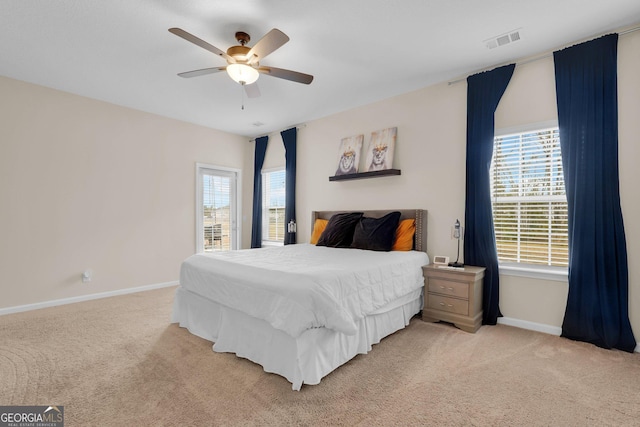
339 230
376 234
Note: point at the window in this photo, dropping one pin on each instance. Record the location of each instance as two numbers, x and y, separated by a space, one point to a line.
529 201
216 208
273 200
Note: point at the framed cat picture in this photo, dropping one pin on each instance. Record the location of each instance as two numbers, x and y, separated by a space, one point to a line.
349 155
380 150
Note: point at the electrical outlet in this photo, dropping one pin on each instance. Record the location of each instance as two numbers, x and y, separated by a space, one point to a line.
87 275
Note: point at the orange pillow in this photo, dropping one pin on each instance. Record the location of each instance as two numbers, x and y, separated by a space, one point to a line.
318 228
404 235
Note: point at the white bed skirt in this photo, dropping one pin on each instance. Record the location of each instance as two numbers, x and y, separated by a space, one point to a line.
303 360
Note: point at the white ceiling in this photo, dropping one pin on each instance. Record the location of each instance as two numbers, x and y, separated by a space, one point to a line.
120 51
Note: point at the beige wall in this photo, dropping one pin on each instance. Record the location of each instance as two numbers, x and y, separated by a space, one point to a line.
431 154
530 98
629 154
86 184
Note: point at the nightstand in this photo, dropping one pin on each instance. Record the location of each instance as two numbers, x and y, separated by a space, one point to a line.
453 295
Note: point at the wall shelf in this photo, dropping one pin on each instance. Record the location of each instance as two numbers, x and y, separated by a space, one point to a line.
362 175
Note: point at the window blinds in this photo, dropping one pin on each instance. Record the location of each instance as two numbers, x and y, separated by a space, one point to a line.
529 202
273 203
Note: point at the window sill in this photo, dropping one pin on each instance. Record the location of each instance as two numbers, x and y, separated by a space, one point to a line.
557 274
271 243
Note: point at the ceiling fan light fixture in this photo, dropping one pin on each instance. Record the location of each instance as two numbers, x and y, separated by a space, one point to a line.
242 73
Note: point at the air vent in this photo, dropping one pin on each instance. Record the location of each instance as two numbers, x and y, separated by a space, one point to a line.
257 124
503 39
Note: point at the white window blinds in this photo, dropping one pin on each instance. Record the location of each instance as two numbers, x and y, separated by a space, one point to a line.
273 201
529 201
216 210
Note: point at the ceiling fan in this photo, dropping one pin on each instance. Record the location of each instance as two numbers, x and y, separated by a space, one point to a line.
243 62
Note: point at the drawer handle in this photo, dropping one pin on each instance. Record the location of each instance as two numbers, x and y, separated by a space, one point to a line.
449 288
448 305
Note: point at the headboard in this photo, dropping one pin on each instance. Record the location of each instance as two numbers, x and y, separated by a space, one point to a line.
420 215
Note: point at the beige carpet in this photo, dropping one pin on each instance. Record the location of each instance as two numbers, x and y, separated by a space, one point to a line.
118 361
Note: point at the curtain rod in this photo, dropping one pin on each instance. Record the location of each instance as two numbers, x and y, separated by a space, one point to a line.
537 58
300 126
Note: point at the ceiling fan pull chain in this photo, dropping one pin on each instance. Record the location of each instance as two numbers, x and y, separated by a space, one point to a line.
242 95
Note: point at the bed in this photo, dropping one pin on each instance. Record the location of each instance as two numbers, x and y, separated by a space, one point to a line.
301 311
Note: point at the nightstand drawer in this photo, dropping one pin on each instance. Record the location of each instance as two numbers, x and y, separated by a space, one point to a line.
451 305
449 287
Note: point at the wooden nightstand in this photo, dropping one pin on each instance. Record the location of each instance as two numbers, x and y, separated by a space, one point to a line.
454 296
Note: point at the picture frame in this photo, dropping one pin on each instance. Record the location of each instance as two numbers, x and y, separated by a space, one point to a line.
381 150
349 155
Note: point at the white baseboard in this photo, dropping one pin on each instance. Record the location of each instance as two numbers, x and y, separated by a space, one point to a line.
533 326
539 327
53 303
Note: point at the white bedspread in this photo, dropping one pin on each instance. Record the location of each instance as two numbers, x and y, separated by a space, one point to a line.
298 287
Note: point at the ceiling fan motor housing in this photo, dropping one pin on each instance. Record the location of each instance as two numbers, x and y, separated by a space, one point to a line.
239 53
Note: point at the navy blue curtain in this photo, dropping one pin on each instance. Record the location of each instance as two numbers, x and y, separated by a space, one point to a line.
256 219
586 91
289 138
484 91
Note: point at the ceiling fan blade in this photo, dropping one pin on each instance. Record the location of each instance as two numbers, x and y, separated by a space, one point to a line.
267 44
203 44
252 90
202 72
281 73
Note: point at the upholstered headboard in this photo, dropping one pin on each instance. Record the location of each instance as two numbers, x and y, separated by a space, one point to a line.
420 215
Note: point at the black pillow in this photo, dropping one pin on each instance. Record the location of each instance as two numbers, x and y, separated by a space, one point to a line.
339 230
376 234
